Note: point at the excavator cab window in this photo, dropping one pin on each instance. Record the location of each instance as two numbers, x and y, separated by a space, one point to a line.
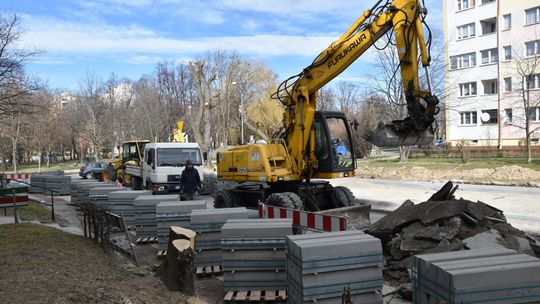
333 142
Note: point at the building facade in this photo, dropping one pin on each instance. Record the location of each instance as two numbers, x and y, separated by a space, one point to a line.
488 43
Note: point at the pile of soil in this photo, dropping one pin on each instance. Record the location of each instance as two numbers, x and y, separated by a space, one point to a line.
513 175
39 264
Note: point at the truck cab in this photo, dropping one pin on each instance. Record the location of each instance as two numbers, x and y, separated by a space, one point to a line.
163 164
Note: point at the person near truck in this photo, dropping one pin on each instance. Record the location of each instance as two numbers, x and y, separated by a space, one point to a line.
190 180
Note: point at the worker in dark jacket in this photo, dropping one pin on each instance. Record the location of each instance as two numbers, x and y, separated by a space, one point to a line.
190 180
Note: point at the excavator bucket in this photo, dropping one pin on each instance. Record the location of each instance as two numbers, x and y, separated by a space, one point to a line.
386 136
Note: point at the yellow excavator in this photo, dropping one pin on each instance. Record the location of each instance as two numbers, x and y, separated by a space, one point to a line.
319 145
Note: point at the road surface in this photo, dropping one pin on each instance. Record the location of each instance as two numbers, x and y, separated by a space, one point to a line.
521 205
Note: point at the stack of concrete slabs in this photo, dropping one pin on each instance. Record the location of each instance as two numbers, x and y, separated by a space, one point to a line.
320 266
99 195
145 212
476 276
207 223
254 254
122 203
174 214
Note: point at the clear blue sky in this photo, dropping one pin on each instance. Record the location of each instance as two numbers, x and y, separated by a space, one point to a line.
128 37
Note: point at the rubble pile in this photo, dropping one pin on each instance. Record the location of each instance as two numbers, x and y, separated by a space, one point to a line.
442 224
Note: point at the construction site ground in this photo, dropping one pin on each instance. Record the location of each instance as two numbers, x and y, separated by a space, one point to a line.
41 264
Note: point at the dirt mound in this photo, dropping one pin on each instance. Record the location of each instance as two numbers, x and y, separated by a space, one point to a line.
505 174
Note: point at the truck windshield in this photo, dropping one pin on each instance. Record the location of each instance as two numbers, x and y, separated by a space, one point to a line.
175 157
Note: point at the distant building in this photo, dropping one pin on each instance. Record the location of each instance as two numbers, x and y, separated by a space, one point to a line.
483 38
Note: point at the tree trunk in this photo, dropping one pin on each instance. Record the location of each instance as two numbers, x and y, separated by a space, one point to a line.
14 155
404 152
178 268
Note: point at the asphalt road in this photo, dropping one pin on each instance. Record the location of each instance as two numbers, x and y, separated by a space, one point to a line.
521 205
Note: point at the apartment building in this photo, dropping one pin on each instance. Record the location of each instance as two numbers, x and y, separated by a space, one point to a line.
487 40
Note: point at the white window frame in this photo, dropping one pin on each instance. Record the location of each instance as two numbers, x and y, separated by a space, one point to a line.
509 53
484 2
489 21
466 28
466 89
471 116
535 48
507 22
493 86
492 56
536 114
460 7
535 12
490 117
508 84
508 118
470 58
536 82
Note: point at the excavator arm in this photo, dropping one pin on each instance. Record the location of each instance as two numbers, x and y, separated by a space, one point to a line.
405 18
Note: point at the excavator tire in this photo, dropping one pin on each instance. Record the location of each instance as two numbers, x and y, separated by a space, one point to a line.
287 200
109 174
224 199
344 196
296 200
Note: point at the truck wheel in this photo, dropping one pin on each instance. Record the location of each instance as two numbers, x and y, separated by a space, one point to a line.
344 196
109 174
287 200
224 199
127 179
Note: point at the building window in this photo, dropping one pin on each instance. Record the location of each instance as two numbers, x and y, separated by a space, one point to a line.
507 19
507 52
534 114
465 31
487 1
468 118
489 117
532 48
463 61
508 116
464 4
489 26
467 89
490 86
489 56
508 84
532 15
533 82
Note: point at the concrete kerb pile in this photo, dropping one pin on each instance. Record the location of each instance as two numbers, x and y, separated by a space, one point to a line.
82 191
253 253
55 180
320 266
75 192
99 195
145 213
174 214
207 224
122 203
476 276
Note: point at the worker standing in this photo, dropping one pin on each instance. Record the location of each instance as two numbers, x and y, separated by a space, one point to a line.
191 181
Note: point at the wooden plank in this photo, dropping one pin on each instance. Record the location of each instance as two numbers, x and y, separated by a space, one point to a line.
255 295
216 269
229 296
199 270
208 269
241 296
282 295
270 295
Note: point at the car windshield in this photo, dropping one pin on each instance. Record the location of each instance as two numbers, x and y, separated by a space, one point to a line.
178 156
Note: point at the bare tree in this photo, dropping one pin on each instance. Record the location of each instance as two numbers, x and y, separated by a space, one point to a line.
92 103
527 67
326 99
15 85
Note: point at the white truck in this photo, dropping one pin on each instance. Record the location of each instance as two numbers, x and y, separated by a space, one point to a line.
162 166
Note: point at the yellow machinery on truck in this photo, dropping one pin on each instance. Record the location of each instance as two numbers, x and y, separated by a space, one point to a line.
130 154
316 144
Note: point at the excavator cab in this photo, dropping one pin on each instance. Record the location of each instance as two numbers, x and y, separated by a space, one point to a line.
334 145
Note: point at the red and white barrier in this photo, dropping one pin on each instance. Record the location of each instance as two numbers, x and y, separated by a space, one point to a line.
25 177
305 219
